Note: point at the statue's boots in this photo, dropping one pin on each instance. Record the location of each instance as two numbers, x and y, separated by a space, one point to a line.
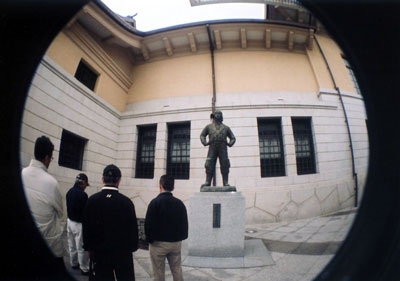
208 180
225 179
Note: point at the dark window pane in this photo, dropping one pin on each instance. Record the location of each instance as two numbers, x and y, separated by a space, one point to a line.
146 152
71 150
271 148
304 146
178 162
86 75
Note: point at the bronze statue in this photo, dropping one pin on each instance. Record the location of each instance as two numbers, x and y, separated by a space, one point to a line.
217 141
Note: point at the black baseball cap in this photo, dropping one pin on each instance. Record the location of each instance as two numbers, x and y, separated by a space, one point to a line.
81 177
112 171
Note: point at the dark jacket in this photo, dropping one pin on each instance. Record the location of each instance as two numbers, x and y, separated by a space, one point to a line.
166 219
76 201
109 223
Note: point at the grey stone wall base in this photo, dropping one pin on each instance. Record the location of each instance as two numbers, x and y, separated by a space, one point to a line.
255 255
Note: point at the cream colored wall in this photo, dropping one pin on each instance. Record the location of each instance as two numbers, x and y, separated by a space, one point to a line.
65 53
119 54
263 71
234 72
321 73
184 76
333 55
68 54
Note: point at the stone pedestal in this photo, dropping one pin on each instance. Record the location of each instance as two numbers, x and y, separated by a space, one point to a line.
216 233
216 224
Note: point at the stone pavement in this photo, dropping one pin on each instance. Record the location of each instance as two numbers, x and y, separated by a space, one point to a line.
299 249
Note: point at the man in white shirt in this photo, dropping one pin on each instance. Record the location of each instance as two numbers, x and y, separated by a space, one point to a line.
44 198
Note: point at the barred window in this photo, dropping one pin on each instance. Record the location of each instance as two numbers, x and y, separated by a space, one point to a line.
303 138
352 75
86 75
72 147
146 152
178 162
271 147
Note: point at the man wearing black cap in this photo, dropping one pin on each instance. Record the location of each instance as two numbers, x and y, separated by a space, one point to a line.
76 200
110 231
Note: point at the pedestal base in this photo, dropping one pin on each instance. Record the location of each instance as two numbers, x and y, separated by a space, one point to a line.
228 188
216 224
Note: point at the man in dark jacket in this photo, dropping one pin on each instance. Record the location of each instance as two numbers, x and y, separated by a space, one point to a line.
76 200
166 225
110 231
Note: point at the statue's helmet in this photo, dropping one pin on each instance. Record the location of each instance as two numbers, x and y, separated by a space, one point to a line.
218 116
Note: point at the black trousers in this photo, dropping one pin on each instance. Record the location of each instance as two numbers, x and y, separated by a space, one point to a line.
106 265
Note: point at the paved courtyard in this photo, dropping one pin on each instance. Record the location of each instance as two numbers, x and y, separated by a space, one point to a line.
299 249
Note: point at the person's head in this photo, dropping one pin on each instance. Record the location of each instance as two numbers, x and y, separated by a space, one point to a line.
217 116
82 181
111 175
167 182
44 150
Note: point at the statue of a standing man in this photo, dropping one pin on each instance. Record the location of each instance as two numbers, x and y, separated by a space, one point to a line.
217 141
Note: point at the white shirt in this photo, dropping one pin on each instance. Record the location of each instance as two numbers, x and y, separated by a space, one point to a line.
45 202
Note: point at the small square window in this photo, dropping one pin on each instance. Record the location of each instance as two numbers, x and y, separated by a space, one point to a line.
86 75
71 150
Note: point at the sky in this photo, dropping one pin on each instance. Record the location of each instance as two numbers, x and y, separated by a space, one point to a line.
156 14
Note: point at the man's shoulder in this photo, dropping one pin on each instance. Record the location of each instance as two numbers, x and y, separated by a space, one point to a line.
124 197
94 196
49 179
168 196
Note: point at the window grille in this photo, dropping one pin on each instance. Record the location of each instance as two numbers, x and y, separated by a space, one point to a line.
178 162
271 147
304 144
146 152
86 75
71 150
352 75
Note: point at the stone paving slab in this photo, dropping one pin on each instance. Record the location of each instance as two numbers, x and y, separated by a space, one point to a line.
296 256
255 255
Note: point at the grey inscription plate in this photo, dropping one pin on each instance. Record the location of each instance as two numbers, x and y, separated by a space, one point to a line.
216 215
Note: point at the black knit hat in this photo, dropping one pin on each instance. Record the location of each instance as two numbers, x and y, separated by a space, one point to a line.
112 171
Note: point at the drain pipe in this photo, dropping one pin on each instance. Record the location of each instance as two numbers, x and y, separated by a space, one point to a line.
214 98
347 124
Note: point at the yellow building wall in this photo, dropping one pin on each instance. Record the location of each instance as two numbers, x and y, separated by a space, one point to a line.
263 71
333 55
68 54
65 53
234 72
183 76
